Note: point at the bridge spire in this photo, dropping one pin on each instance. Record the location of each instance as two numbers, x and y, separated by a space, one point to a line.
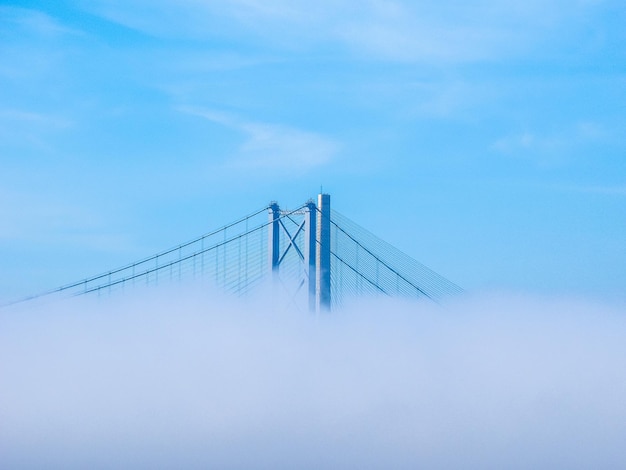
322 259
310 250
274 236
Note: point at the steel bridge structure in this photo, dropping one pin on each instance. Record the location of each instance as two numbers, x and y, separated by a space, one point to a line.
316 255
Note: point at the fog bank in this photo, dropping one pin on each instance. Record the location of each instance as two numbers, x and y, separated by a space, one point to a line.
191 380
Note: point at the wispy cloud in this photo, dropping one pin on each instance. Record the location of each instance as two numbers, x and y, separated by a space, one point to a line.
551 148
31 128
525 141
34 117
35 50
35 22
45 219
272 146
403 32
606 190
428 31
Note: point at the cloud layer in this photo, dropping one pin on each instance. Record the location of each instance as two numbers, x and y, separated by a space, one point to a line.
194 381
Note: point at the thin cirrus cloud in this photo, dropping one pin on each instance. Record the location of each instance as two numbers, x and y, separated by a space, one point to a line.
34 118
35 22
272 146
38 55
552 147
44 218
385 30
29 129
602 190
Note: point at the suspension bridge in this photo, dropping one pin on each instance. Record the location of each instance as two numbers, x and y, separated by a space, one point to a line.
318 256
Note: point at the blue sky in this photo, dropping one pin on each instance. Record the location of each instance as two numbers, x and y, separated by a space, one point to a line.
485 139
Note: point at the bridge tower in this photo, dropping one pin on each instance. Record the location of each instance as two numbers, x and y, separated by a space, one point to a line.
273 237
310 250
315 254
322 260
